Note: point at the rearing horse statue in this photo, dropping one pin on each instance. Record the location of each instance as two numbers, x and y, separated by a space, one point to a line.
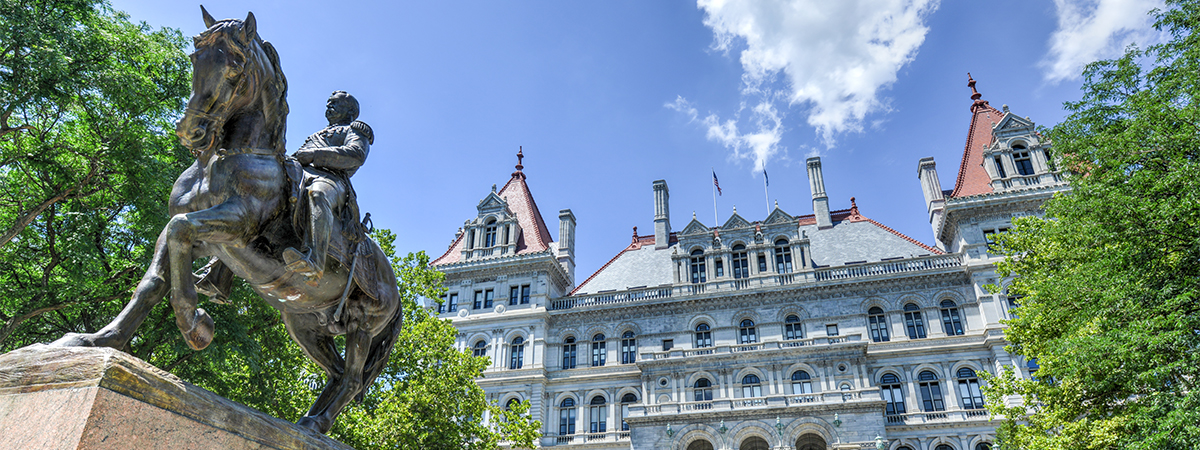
235 202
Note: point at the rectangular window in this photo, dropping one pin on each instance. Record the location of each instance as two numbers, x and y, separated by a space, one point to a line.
1013 304
762 263
878 327
628 351
525 294
599 419
514 295
969 395
668 344
999 167
489 298
931 397
569 355
989 236
720 267
831 330
452 304
599 353
442 305
1023 163
916 326
741 265
894 399
566 420
478 300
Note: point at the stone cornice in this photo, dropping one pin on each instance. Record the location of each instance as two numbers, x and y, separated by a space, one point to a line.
959 208
506 265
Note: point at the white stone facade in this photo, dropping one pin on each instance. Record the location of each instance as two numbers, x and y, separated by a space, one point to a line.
696 339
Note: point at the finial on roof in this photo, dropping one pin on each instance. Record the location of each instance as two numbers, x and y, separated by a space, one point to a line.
493 188
776 204
975 95
1005 107
520 156
735 209
634 235
693 215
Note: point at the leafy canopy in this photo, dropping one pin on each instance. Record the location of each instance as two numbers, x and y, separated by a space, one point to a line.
1109 277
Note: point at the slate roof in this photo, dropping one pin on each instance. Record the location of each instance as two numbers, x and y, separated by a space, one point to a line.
972 178
853 238
534 237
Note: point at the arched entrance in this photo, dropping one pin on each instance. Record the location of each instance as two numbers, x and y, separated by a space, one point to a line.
700 444
755 443
810 442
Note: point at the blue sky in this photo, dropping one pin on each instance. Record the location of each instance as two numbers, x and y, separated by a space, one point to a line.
606 97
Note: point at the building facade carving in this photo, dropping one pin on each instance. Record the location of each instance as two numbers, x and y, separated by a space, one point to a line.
820 331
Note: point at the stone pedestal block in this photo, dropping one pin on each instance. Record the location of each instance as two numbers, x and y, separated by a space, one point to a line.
100 398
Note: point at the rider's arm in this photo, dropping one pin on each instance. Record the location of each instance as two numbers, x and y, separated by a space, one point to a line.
348 156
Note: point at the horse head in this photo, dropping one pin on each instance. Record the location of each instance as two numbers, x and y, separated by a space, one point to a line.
233 70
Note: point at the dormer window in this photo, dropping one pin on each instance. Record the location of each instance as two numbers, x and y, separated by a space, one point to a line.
698 271
471 240
1022 161
489 234
1000 167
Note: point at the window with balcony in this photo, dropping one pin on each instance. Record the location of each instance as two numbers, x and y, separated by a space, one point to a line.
801 382
831 329
751 386
762 263
792 328
747 333
951 322
598 412
566 417
968 389
1022 161
626 401
703 336
889 385
698 271
739 262
931 392
598 350
569 353
628 348
719 266
877 324
516 353
913 322
702 390
783 256
479 350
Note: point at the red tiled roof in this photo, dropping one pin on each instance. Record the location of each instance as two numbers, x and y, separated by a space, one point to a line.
972 178
535 237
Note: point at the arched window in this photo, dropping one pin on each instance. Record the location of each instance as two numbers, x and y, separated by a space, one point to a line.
983 446
783 256
741 264
489 234
751 386
626 400
599 415
801 382
598 351
950 319
702 390
517 353
628 348
1032 366
703 336
877 323
754 443
931 392
566 417
792 329
699 274
968 389
511 402
479 349
943 447
889 384
747 333
700 444
903 447
912 320
569 353
1022 160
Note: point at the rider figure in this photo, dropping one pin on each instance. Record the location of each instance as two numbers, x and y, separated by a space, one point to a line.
332 156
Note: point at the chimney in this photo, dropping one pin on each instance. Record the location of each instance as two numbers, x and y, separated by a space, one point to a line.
935 201
566 243
662 215
816 182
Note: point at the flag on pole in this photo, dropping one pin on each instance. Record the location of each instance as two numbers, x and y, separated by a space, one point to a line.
765 179
716 183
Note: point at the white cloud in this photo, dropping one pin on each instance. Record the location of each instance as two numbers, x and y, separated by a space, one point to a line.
759 145
1089 30
833 56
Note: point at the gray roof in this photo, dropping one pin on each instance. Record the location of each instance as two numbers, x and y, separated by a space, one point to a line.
857 242
632 268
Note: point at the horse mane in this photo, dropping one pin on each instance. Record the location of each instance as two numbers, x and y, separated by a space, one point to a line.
275 106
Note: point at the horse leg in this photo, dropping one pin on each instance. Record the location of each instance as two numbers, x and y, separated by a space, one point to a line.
320 348
148 293
358 348
223 223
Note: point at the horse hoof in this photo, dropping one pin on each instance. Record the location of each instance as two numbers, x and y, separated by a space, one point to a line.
201 333
314 423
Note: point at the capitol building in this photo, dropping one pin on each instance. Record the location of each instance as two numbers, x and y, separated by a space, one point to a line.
819 330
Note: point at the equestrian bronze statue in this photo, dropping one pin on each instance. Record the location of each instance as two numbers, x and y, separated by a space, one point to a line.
287 225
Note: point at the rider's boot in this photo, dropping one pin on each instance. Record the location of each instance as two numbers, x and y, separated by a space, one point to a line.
312 263
215 281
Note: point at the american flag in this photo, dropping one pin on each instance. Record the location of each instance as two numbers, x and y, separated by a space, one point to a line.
716 183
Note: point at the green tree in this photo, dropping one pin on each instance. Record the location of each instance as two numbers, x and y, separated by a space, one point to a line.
87 156
1109 276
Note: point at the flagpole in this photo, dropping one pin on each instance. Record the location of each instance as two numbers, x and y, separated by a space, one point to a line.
767 191
716 222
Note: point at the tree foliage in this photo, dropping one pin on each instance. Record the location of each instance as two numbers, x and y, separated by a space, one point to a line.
87 157
1109 276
